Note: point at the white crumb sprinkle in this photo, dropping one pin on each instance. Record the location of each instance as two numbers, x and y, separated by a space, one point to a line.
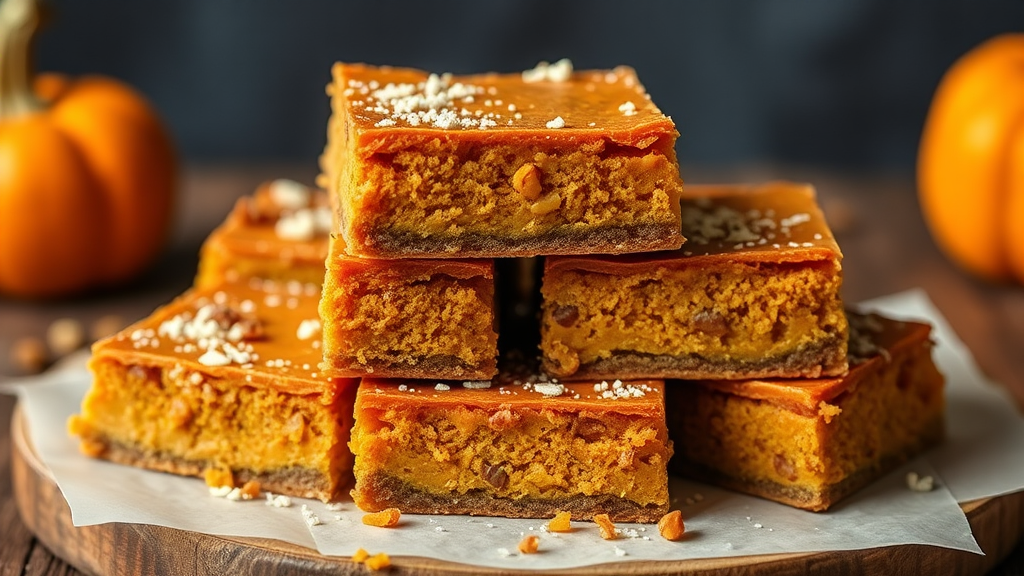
619 551
758 525
558 72
309 517
439 529
628 108
442 387
504 552
335 506
308 328
476 384
558 122
214 358
548 389
220 491
403 387
278 500
920 483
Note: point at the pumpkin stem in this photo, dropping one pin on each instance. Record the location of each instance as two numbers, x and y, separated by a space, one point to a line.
18 20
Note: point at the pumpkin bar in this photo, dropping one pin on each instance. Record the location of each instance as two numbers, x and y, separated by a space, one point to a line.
548 161
279 233
223 381
408 318
754 293
809 443
520 450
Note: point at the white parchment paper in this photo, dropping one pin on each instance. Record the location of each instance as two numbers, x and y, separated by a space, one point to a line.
984 456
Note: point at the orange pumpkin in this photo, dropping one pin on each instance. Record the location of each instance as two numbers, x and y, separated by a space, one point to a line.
971 160
87 174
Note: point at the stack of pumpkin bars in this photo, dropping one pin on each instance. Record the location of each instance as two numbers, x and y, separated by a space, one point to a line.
704 318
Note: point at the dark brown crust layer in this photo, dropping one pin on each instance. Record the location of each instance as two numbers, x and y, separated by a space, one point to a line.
561 240
807 497
387 491
826 359
444 367
299 482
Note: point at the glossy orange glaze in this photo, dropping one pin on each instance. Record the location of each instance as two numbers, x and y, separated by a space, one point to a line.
278 307
806 395
376 393
808 239
589 103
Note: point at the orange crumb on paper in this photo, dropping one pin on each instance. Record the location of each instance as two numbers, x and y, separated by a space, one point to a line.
529 544
386 518
604 524
560 523
671 526
360 556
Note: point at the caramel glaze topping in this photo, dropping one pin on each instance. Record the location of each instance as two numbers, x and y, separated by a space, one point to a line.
394 108
776 222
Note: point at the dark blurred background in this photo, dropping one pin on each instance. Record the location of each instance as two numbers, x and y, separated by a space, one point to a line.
841 83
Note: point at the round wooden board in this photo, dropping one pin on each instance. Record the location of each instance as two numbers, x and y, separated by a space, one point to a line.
127 549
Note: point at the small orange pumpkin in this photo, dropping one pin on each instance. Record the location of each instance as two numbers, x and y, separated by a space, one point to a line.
87 174
970 167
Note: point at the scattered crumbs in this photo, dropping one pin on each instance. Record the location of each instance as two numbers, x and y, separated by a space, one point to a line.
799 218
771 530
442 387
920 483
335 506
476 384
628 108
558 122
549 389
504 552
592 124
439 529
278 500
308 328
748 518
403 388
558 72
619 551
758 525
214 358
289 194
728 545
817 236
619 389
489 525
309 517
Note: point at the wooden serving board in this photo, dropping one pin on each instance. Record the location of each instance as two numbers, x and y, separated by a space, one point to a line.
128 549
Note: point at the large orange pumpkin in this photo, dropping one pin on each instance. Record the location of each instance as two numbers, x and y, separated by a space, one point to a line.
87 174
971 160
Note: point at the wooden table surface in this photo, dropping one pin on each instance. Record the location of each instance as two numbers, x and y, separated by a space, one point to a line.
875 217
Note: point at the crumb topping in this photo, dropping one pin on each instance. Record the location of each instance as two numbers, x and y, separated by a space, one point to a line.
476 384
558 72
919 483
705 221
556 123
